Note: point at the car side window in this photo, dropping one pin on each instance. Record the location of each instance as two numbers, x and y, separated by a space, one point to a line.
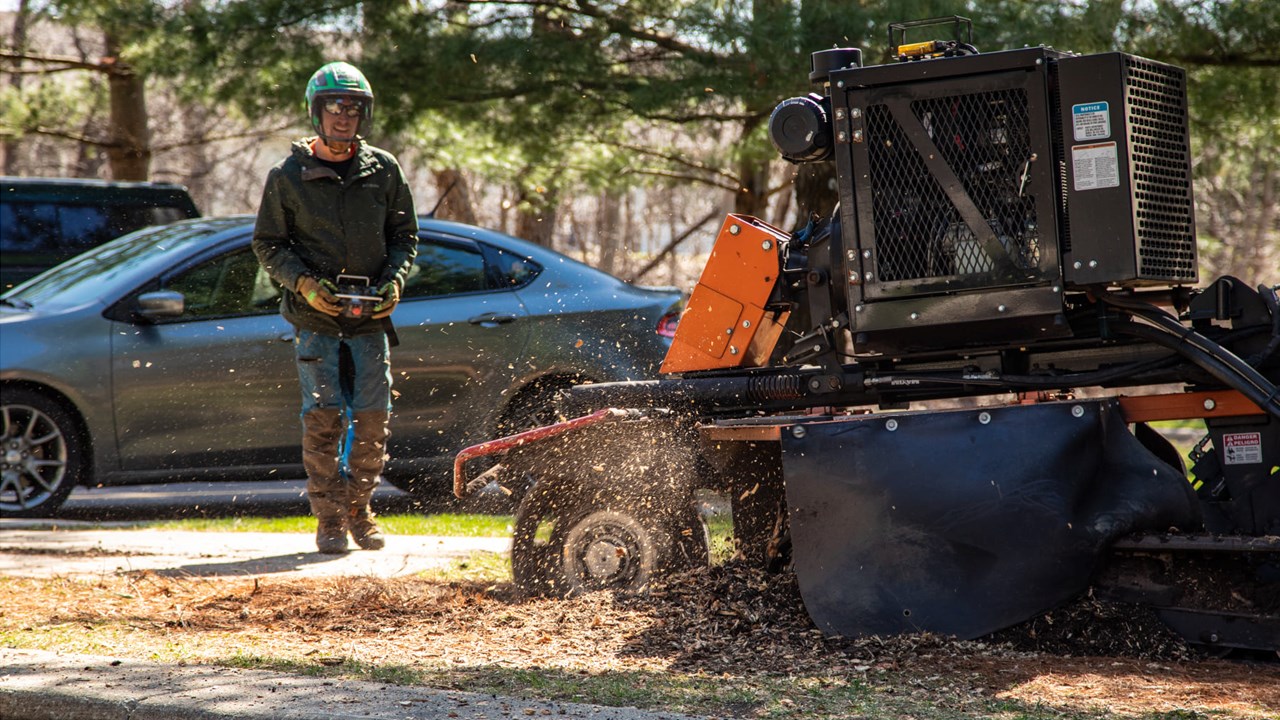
513 270
228 285
445 269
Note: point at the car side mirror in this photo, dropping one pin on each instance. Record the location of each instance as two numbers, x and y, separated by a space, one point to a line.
160 304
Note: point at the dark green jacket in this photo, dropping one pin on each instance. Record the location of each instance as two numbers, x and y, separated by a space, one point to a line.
312 222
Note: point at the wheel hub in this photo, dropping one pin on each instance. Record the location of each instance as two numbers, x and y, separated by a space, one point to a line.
608 549
13 456
604 559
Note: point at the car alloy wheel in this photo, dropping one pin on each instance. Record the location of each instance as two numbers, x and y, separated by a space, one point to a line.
40 460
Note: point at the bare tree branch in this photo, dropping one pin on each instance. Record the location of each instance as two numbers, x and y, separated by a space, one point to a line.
220 138
732 181
67 62
614 23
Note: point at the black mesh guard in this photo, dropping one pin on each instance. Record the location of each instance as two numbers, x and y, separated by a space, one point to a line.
985 139
1162 194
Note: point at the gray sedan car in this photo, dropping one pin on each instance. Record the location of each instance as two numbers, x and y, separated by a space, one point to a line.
161 356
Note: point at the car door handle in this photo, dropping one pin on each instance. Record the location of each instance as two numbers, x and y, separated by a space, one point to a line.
492 319
286 337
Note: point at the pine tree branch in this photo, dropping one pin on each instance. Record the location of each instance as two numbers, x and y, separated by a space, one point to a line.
68 135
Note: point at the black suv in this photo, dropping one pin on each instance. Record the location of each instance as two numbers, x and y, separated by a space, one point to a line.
44 221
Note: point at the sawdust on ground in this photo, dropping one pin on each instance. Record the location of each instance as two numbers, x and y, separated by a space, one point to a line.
731 621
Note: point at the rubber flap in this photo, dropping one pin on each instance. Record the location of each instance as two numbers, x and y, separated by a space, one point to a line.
965 522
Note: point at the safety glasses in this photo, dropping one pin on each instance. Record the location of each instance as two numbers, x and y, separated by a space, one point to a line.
350 108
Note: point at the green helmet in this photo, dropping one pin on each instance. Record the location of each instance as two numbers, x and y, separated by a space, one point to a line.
339 79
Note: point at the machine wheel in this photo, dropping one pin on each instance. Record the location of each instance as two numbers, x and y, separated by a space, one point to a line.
608 549
570 540
536 539
693 540
43 454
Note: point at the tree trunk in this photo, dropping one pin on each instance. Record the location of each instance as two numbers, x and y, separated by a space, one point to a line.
536 223
752 197
1261 234
815 190
10 147
609 230
454 193
129 149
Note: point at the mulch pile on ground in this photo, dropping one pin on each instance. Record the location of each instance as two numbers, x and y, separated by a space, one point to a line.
714 619
735 615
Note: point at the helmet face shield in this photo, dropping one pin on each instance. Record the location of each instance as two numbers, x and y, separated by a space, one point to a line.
339 84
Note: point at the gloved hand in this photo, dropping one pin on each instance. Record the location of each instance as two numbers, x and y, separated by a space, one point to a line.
390 293
319 294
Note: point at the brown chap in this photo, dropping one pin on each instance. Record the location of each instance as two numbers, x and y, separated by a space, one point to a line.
368 455
365 461
321 430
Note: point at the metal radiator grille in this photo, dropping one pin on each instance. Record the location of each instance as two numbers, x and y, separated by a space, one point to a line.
1161 182
985 140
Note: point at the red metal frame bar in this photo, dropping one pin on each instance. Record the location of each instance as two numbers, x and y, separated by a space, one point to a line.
503 444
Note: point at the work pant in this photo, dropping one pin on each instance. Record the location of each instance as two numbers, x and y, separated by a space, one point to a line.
346 406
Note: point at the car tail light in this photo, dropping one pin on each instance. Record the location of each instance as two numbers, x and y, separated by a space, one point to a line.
667 324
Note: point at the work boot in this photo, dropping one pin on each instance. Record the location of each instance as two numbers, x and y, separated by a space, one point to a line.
331 535
364 530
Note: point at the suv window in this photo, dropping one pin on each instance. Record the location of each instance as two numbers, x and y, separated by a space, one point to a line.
46 221
70 229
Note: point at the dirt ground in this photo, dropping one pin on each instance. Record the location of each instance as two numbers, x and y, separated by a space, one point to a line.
729 623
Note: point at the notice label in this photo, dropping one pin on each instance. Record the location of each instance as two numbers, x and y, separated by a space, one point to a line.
1095 166
1091 121
1242 448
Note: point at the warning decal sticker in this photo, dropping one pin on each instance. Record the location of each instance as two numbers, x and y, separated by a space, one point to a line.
1091 121
1242 448
1095 166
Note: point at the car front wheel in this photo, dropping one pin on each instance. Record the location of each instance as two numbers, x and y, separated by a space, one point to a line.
42 454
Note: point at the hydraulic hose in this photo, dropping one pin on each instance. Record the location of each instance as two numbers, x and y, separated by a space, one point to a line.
1272 302
1034 382
1212 357
1252 384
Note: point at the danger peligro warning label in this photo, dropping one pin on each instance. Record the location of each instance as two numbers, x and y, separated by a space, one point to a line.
1241 448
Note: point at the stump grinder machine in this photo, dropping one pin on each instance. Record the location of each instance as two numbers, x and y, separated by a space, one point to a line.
934 405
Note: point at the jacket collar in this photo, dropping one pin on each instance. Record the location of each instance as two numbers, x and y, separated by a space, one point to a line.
363 163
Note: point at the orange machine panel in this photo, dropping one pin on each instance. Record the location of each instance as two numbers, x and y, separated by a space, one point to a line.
1181 406
726 308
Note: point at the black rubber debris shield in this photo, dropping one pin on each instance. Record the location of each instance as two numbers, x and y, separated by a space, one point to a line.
968 521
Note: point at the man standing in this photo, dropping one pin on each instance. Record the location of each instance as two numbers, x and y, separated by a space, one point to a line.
338 206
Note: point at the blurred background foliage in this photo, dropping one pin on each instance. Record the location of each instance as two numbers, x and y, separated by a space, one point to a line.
605 129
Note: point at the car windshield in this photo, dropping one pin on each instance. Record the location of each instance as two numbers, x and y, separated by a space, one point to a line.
141 254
